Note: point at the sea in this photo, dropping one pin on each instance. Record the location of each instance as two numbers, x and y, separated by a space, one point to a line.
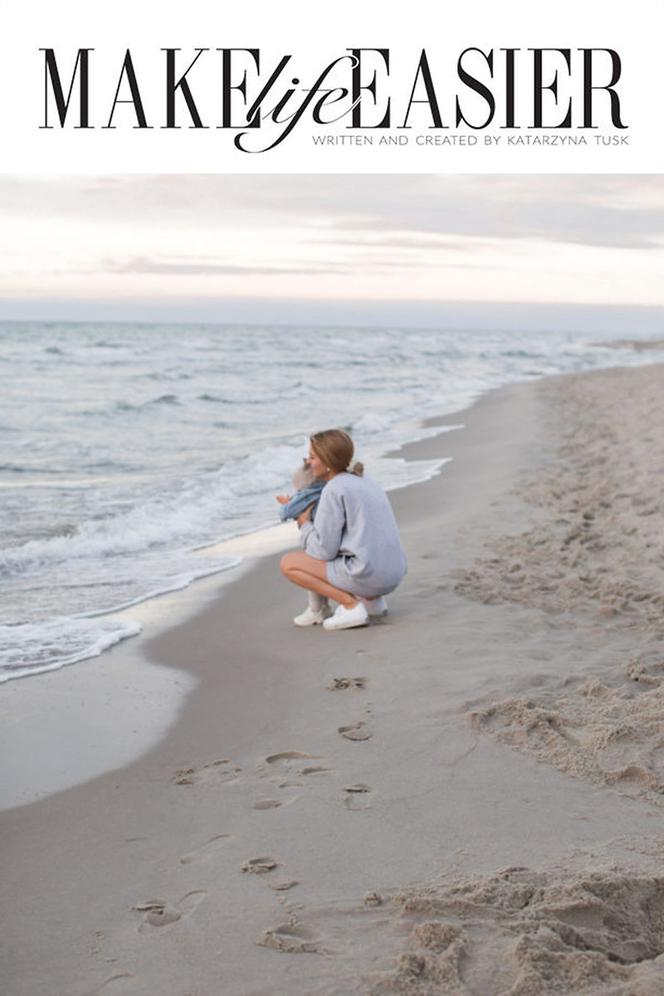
128 451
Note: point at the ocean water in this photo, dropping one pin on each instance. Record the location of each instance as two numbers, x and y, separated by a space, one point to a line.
126 449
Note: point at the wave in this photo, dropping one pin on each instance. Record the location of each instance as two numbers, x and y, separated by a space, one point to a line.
523 354
14 468
51 645
176 583
145 527
165 375
196 512
129 406
290 392
373 422
215 399
163 399
36 647
19 468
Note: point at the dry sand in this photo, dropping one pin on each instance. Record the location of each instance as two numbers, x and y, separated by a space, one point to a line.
465 797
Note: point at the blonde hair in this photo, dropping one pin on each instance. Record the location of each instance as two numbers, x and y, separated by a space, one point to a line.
335 448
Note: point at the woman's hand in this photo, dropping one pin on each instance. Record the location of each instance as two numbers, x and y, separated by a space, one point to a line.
283 499
304 516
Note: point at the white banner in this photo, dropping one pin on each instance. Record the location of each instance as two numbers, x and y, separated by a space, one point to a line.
353 87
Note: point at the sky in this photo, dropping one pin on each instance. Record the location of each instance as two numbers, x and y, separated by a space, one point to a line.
412 249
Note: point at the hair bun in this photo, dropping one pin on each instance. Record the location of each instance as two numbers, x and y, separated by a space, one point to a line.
357 468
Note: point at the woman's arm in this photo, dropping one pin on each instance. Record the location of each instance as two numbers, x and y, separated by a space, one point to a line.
322 539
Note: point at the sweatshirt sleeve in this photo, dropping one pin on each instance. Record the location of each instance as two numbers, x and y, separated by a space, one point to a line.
322 539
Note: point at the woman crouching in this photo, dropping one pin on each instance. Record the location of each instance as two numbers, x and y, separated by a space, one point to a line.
352 552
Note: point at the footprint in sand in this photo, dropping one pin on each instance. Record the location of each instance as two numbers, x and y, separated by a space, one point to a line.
356 731
114 984
158 912
357 796
283 886
260 866
285 764
292 938
339 684
288 797
285 757
215 771
316 769
208 847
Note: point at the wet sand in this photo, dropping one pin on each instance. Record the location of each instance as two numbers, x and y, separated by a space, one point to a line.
464 797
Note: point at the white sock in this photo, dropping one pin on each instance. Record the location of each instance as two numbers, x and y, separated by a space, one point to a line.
316 601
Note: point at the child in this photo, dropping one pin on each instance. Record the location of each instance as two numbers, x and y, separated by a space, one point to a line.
308 491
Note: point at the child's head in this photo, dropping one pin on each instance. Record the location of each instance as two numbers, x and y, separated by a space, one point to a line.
303 477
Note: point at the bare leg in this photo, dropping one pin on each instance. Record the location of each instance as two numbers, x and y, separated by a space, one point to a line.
309 573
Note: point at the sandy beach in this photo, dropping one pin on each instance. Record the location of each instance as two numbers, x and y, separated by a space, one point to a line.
463 798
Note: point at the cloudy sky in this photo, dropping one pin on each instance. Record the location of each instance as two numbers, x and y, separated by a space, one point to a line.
226 248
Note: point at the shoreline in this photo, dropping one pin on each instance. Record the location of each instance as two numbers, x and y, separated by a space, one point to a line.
126 669
410 430
413 431
259 764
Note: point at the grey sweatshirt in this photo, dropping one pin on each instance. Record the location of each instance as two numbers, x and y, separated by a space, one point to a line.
356 533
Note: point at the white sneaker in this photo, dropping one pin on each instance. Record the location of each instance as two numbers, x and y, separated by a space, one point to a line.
347 618
375 606
313 617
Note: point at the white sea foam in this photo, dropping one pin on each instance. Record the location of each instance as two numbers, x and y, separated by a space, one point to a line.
38 643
